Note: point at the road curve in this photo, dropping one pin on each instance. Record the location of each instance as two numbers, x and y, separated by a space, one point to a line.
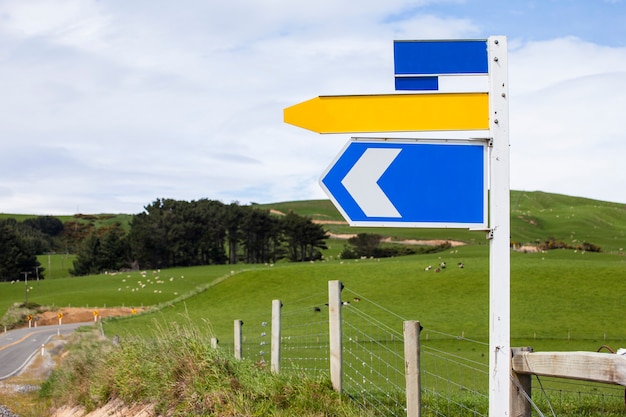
17 347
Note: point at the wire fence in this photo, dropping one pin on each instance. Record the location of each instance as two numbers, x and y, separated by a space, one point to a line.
373 355
454 369
565 397
256 340
454 375
304 338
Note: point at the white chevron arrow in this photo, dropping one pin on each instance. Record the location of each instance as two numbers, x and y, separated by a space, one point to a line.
362 182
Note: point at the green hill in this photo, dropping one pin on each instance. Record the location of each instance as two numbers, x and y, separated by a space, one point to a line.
535 217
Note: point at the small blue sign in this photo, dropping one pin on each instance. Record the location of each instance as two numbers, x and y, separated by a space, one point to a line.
410 183
418 64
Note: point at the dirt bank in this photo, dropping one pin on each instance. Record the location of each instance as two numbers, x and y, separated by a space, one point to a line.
113 408
83 314
431 242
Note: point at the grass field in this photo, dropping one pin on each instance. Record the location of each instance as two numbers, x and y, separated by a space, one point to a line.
556 297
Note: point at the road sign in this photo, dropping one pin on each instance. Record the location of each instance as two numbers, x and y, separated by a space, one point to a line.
419 65
410 183
391 113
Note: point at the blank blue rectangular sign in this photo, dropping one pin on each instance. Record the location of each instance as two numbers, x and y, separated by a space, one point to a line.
440 57
422 83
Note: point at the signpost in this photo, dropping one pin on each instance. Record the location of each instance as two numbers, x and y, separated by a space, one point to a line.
380 182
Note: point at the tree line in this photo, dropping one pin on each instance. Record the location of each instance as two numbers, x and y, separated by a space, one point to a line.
168 233
171 233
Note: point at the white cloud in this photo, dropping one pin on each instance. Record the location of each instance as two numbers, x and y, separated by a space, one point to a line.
121 102
567 128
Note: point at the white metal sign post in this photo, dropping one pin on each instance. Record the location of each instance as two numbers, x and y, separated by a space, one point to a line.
500 231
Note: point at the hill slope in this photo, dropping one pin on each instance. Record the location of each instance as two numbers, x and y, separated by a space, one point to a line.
535 217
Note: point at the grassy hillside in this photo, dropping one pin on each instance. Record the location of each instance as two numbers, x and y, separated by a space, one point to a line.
563 296
544 285
535 217
98 220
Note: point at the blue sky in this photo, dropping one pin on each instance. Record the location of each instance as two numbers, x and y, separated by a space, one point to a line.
107 105
598 21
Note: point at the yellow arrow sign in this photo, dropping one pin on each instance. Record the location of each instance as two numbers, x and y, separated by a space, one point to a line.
391 113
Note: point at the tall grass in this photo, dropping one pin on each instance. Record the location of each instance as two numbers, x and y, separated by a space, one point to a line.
178 372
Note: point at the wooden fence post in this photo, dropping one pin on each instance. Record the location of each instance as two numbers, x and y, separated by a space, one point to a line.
412 368
275 342
334 323
238 346
520 387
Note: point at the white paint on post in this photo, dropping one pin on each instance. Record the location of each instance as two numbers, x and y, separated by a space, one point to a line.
500 231
275 342
334 323
238 346
412 368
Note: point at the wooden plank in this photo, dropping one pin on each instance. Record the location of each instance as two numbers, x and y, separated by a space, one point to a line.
587 366
521 389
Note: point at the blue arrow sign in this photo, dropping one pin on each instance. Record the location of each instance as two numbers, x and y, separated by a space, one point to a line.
416 183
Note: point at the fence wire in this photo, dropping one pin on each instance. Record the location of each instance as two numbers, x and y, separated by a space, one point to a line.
256 340
454 370
454 378
557 396
373 363
304 338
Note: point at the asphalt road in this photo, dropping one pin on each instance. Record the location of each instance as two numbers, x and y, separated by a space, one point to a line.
17 347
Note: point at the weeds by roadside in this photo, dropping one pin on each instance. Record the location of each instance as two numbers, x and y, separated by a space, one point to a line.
18 314
181 375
